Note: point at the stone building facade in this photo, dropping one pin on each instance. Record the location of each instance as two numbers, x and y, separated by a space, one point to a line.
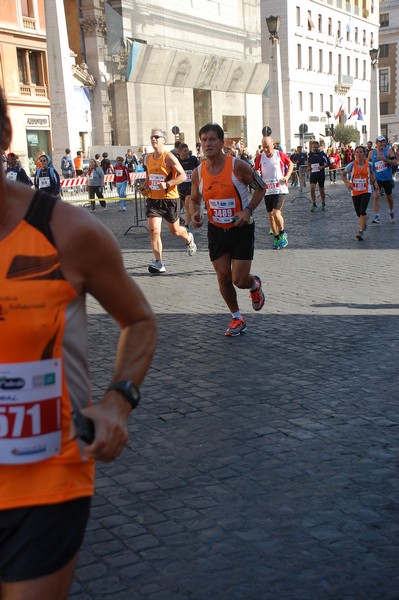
325 64
179 66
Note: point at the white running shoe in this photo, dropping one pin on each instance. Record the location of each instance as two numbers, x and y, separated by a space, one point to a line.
191 246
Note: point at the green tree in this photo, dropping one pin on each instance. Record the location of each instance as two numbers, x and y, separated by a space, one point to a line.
345 134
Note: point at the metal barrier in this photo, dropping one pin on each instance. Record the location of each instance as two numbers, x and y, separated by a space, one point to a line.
75 190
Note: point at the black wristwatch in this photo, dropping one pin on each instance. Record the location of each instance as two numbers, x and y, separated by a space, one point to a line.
129 391
251 210
167 185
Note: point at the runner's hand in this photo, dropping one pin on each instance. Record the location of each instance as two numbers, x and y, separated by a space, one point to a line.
197 220
110 431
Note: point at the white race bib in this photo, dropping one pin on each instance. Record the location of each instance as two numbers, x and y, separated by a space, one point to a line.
315 167
188 175
30 411
222 211
360 184
272 186
44 182
380 165
12 175
155 180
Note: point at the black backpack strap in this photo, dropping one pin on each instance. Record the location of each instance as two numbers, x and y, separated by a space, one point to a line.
39 214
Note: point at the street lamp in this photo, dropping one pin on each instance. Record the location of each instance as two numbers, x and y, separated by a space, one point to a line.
276 90
375 127
374 55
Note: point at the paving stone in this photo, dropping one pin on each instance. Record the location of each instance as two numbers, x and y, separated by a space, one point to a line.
264 466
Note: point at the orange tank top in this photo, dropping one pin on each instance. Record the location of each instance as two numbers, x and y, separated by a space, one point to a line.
224 194
43 368
360 179
159 171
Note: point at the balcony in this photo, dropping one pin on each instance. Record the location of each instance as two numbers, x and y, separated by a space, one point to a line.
32 91
29 23
344 84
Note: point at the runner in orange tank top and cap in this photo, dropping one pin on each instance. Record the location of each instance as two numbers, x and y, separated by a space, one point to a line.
222 181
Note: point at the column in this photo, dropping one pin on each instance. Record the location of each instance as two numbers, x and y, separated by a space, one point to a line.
60 81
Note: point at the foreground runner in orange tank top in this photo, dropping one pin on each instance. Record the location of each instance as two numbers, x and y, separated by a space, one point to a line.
51 255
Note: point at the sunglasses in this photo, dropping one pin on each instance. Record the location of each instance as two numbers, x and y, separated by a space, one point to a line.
156 137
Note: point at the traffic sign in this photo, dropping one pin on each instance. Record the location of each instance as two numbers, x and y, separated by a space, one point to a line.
304 136
303 128
175 130
266 131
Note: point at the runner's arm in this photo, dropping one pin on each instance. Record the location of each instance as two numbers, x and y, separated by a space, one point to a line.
173 163
92 260
246 173
195 200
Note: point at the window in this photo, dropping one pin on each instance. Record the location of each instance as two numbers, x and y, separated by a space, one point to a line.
357 68
330 63
331 104
329 26
321 103
298 16
311 102
364 70
349 106
319 24
371 40
348 65
310 22
310 67
339 29
384 20
27 8
30 67
339 66
300 101
320 61
384 81
356 35
299 56
364 37
364 106
384 108
384 50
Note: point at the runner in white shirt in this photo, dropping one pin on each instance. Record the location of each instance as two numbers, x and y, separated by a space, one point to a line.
275 169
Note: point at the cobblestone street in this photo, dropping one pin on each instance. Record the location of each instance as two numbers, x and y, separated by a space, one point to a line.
263 467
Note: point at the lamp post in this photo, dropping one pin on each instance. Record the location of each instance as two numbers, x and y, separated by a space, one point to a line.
276 90
375 125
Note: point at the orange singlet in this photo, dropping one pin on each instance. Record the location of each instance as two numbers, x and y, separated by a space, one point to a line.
224 194
158 171
43 368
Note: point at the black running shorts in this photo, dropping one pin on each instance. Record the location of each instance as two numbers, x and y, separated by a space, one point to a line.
167 209
274 201
318 178
238 242
385 185
361 202
39 540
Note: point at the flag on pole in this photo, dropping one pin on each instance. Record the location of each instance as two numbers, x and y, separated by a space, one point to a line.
340 110
356 112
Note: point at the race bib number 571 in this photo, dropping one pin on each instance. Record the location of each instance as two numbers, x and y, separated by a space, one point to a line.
30 411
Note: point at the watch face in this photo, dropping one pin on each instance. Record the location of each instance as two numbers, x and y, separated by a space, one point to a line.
134 392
